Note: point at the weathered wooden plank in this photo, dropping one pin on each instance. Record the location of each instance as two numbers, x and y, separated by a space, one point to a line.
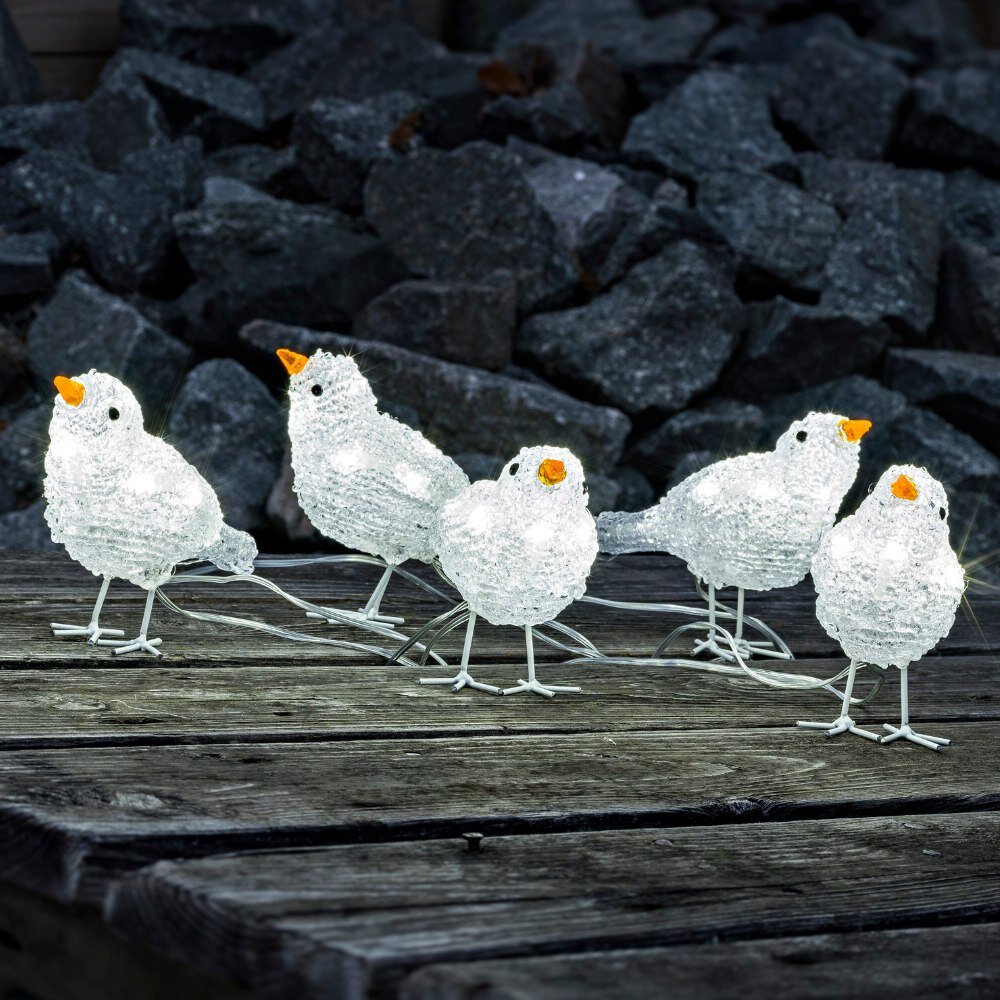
937 961
53 588
351 921
149 705
67 26
72 820
50 951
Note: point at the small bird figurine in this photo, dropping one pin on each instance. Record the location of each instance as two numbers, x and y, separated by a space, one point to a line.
363 478
753 522
126 504
888 585
519 550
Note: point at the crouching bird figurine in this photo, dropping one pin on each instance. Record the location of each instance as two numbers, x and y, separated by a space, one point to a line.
125 504
888 585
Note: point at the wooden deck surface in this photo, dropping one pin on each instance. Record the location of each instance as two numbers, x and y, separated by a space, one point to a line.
255 817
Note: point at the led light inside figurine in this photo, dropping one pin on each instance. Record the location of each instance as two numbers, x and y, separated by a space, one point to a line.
888 586
519 550
752 522
126 504
363 478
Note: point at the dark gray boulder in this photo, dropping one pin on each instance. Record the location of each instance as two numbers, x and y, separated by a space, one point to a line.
19 80
469 323
23 443
968 313
218 108
974 209
650 343
463 409
27 262
121 221
601 220
790 345
26 530
277 259
933 30
779 232
841 97
122 118
464 214
962 388
53 125
13 365
227 34
83 327
955 119
337 141
715 120
226 423
884 264
721 428
773 45
271 170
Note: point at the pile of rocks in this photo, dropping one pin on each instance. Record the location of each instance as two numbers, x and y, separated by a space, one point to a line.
650 230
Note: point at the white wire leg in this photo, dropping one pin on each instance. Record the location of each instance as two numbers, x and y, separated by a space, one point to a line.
746 647
370 612
463 678
532 684
845 724
93 631
903 730
141 644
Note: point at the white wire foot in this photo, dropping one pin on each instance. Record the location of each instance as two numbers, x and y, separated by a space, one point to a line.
845 724
904 732
747 650
462 679
546 690
138 645
347 617
92 632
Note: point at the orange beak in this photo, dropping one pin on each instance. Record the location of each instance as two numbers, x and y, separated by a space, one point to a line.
71 392
854 430
551 471
905 489
294 363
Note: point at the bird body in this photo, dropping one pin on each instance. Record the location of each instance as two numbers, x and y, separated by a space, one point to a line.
518 550
363 478
887 581
753 521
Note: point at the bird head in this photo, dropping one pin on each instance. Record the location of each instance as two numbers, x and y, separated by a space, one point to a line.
545 473
824 448
93 411
325 385
908 498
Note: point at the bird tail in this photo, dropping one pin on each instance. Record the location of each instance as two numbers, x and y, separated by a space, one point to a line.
233 551
619 532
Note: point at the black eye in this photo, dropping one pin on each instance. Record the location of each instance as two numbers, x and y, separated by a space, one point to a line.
514 468
113 413
942 512
801 436
317 390
871 486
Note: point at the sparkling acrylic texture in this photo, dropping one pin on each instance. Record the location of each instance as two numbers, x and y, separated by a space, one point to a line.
887 579
363 478
754 521
124 503
520 549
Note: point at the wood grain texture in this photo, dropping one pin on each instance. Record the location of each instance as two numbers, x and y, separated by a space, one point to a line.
72 821
941 961
151 705
352 921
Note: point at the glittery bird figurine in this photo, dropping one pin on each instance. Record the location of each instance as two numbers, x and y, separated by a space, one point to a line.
126 504
888 586
753 522
364 479
519 550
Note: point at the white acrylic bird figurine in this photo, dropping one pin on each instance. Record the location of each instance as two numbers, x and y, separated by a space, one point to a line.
126 504
753 522
888 585
363 478
519 550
